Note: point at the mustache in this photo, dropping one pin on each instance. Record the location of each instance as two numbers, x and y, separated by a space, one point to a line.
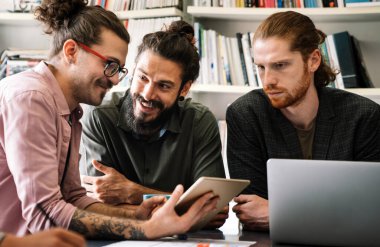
152 103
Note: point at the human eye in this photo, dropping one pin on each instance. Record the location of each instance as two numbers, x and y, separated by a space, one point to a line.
280 66
260 68
112 67
142 77
165 86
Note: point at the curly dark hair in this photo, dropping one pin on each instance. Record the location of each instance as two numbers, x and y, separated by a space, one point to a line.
176 43
74 19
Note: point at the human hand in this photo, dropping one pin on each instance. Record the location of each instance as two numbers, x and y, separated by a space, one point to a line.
166 222
253 212
111 188
218 219
149 206
56 237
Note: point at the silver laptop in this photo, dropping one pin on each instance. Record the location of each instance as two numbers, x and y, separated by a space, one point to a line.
333 203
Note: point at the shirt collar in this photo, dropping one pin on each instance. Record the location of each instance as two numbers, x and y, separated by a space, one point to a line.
60 99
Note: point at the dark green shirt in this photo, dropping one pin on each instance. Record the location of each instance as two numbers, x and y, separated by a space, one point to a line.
186 148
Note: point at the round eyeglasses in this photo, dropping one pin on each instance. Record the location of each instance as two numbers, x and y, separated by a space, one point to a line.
111 67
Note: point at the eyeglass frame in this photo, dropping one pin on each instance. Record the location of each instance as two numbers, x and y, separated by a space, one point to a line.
107 61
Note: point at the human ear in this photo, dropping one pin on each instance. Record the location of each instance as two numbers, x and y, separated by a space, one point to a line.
70 51
186 88
315 59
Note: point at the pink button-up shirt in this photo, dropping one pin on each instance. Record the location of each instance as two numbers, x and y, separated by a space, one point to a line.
34 137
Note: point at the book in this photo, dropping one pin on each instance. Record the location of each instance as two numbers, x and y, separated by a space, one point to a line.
239 37
362 4
334 61
364 78
346 58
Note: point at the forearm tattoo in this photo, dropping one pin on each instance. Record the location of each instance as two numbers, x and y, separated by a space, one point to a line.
94 225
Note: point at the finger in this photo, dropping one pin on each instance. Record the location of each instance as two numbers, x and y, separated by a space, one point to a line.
176 194
220 216
153 201
241 198
87 179
203 205
236 208
102 168
225 209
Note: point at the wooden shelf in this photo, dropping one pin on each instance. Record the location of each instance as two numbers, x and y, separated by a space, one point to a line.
207 88
227 89
149 13
316 14
29 19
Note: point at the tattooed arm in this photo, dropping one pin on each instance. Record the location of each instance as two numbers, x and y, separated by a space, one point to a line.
105 209
93 225
164 222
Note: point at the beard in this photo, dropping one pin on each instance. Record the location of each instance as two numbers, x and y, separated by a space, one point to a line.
292 98
138 123
83 93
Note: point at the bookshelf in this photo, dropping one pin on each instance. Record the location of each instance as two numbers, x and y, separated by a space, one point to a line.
360 22
259 14
149 13
17 29
16 26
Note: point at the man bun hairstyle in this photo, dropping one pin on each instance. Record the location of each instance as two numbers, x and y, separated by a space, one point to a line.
176 44
303 36
74 19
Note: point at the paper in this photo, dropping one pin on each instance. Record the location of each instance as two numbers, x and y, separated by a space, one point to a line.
190 242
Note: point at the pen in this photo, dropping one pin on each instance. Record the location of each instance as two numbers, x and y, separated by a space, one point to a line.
42 210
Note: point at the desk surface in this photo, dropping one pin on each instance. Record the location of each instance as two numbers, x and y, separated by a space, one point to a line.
261 238
229 231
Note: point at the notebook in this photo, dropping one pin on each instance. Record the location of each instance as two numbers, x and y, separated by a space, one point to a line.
332 203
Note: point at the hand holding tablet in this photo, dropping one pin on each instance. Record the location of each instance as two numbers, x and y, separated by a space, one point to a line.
225 189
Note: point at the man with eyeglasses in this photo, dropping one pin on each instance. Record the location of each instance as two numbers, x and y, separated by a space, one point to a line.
150 138
40 133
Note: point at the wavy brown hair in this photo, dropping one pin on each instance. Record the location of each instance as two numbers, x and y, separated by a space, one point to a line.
304 37
74 19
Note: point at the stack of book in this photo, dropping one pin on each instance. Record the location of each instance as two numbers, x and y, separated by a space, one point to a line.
269 3
342 52
13 61
229 60
225 60
361 3
125 5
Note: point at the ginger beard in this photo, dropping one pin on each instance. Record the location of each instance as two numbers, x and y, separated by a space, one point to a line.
290 97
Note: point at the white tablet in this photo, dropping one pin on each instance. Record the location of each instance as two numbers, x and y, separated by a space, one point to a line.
225 188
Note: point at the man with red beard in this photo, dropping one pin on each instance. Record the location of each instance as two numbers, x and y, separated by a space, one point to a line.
150 138
295 115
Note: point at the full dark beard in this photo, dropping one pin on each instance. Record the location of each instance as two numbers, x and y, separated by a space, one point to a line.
138 125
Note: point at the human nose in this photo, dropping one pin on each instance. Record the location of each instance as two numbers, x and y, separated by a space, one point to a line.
268 78
115 79
148 92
